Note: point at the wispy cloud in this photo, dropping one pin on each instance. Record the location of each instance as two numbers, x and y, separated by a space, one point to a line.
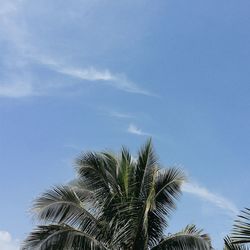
133 129
15 30
6 241
216 199
120 115
87 75
91 74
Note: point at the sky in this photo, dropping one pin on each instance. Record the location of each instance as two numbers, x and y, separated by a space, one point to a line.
95 75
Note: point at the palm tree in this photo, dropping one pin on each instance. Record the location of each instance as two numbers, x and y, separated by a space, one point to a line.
117 203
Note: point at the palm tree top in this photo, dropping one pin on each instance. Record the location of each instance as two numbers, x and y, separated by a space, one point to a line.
116 203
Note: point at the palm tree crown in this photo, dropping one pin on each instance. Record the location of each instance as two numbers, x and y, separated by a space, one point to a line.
116 203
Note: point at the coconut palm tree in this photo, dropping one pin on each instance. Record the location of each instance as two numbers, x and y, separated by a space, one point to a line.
116 203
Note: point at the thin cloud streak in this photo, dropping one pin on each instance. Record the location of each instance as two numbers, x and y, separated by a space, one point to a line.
133 129
120 115
216 199
91 74
18 90
118 81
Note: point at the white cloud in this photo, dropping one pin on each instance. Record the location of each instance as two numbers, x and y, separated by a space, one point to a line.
6 241
133 129
90 74
216 199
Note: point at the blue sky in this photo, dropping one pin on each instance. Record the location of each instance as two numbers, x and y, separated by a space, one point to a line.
94 75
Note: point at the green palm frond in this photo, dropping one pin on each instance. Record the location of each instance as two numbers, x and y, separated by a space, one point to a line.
64 204
125 176
167 190
229 245
63 237
190 238
145 177
241 229
146 163
97 175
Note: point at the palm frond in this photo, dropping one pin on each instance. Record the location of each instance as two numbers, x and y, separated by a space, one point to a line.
167 190
98 171
146 163
63 237
125 174
90 167
145 172
64 204
241 229
190 238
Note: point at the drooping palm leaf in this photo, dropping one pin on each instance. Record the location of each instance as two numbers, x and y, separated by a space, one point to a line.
63 204
167 190
190 238
63 237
